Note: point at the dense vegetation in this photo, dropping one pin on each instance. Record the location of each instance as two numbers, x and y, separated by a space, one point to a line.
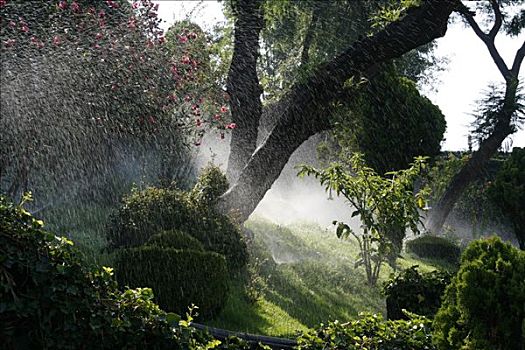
145 213
100 105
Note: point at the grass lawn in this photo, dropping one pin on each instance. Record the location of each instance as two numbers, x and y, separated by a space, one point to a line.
307 277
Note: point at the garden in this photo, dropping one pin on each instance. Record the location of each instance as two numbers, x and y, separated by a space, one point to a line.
154 181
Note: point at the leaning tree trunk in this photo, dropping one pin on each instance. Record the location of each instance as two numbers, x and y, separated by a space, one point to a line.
301 110
243 85
503 128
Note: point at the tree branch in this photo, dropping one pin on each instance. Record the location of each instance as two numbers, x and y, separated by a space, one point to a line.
309 36
243 84
303 108
498 19
518 60
488 39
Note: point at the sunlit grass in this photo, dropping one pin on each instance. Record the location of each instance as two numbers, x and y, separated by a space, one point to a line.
309 278
308 274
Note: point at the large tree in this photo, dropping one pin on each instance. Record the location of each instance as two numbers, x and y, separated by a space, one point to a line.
303 110
501 112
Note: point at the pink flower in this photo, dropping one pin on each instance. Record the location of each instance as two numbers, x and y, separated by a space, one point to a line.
25 29
198 122
132 23
12 24
9 42
224 109
75 6
99 36
56 40
185 60
102 14
183 39
112 4
231 126
152 120
217 117
135 5
162 40
62 5
3 3
174 69
187 98
192 35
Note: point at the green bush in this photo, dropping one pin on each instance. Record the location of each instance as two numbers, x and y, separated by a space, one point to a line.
175 239
179 278
484 306
419 293
49 299
370 332
145 213
434 247
211 185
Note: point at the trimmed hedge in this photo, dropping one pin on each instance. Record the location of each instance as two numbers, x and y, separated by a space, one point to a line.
370 332
175 239
153 210
484 306
179 278
434 247
416 292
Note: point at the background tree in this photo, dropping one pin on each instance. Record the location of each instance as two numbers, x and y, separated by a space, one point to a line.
389 105
501 112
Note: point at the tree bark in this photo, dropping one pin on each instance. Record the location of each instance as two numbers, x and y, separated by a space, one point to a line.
503 128
243 85
302 111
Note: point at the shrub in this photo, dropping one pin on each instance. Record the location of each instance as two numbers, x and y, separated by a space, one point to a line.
370 332
419 293
178 277
211 185
175 239
145 213
49 299
483 307
434 247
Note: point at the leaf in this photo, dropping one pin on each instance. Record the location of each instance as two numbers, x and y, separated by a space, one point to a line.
172 318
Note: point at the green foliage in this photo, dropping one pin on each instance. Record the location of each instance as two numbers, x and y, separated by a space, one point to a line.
175 239
416 292
434 247
145 213
475 205
50 300
386 208
211 185
508 192
372 333
483 307
490 109
388 105
178 277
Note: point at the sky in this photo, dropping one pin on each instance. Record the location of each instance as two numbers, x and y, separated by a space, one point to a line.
469 72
